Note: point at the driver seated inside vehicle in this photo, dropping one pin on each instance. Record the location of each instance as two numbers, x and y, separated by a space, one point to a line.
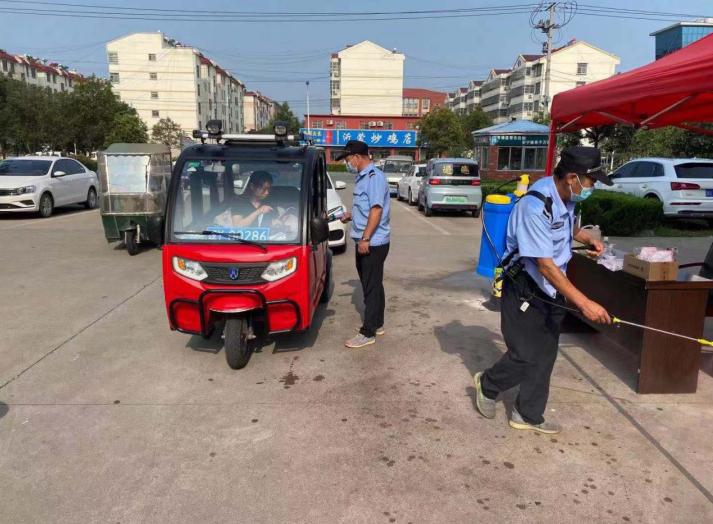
251 209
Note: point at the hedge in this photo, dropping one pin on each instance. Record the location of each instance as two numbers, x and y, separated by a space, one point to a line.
337 168
619 214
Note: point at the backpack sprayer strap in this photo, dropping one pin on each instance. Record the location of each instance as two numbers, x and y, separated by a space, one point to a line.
506 261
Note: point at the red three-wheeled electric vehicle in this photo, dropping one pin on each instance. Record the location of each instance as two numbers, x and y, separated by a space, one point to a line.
245 246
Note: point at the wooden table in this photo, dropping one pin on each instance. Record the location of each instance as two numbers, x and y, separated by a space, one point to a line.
666 364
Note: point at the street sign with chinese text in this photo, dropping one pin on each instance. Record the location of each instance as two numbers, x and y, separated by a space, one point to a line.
373 138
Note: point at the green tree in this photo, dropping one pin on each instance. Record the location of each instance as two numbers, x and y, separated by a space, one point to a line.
283 113
473 121
441 132
127 127
168 132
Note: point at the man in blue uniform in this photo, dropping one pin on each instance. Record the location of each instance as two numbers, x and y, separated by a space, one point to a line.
539 245
371 230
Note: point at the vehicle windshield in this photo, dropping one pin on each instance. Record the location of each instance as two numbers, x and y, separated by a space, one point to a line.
127 173
455 169
254 200
20 167
694 170
397 166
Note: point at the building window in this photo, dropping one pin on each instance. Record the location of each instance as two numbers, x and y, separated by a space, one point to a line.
198 71
388 125
317 124
152 57
481 155
153 76
199 109
61 86
335 69
581 68
113 57
210 105
529 89
425 105
363 124
114 78
537 70
579 84
528 107
154 94
198 89
340 124
54 79
521 158
154 113
335 87
538 87
528 71
33 73
4 65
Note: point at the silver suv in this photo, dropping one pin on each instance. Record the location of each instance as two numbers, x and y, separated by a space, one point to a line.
451 184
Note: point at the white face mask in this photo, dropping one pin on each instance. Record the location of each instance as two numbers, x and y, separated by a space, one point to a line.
351 168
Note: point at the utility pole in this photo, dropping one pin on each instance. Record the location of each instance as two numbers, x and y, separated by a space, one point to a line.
547 28
309 127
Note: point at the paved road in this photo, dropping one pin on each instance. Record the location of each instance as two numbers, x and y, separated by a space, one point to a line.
107 416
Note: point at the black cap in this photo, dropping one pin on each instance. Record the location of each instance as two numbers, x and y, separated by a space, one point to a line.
584 161
353 147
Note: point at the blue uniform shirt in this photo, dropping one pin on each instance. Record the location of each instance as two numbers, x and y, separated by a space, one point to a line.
370 190
538 236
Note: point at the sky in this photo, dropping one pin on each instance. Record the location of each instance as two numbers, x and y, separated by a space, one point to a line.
277 58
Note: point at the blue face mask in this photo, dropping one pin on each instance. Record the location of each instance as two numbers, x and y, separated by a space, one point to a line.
583 195
351 169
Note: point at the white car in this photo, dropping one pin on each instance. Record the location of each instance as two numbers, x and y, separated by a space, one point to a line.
408 186
40 183
337 229
395 168
683 185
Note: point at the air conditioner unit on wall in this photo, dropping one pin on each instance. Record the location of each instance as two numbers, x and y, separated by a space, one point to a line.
372 124
380 124
330 122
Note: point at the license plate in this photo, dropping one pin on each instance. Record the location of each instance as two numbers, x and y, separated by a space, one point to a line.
456 200
709 192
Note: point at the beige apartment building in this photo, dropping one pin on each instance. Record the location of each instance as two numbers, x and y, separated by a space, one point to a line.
366 79
258 109
39 73
162 78
519 92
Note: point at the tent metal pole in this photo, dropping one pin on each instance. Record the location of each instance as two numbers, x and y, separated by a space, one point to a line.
551 146
616 118
666 110
562 128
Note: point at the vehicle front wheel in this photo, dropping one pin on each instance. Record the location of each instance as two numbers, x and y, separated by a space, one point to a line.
237 342
91 201
132 246
46 205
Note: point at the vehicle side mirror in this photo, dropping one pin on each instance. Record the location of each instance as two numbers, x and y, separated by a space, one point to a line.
319 230
339 185
58 174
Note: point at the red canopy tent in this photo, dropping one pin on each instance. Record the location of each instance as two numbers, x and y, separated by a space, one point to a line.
676 90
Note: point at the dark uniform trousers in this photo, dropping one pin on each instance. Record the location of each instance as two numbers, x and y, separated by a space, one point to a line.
532 339
371 274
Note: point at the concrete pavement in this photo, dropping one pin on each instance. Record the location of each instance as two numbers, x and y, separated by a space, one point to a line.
111 417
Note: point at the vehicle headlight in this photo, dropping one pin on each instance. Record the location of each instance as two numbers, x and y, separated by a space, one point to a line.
189 269
24 190
280 269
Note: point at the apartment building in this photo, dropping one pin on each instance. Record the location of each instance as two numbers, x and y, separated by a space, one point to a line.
419 102
38 72
366 79
519 92
681 34
162 78
259 110
472 99
494 94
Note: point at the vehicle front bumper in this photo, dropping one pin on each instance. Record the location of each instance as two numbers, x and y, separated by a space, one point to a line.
337 233
19 203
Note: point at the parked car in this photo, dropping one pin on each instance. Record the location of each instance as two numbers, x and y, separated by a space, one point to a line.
337 229
451 184
40 183
407 188
683 185
395 167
